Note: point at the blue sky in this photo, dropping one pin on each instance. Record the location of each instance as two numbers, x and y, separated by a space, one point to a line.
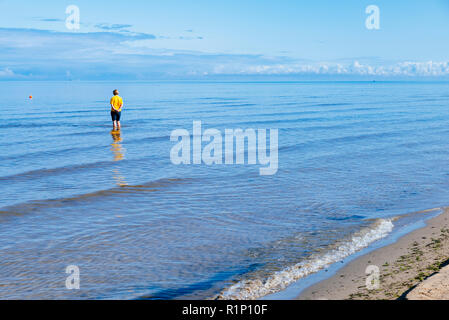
203 39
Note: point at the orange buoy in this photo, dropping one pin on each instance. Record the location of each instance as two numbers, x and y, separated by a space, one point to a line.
31 97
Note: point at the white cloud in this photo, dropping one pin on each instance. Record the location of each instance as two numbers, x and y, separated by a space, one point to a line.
408 69
48 55
6 73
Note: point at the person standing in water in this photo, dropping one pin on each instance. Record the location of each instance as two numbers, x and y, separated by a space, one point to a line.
116 109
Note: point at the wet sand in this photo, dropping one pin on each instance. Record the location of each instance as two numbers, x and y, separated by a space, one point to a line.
411 268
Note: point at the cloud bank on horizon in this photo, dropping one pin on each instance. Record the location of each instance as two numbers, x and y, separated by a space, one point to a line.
122 50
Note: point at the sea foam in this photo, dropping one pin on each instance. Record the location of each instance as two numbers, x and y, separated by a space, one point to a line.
254 289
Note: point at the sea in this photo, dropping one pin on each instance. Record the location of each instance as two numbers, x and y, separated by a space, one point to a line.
91 213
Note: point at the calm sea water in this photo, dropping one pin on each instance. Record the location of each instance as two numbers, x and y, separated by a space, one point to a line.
138 226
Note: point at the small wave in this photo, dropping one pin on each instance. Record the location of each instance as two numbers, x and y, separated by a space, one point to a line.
148 187
254 289
333 104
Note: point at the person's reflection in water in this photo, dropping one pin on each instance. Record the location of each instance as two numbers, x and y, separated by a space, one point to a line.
119 155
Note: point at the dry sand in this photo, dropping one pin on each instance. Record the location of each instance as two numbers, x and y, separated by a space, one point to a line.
411 268
434 288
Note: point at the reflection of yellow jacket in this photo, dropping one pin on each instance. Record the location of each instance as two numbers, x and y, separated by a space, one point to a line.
117 102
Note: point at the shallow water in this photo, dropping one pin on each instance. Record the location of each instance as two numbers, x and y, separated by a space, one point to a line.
138 226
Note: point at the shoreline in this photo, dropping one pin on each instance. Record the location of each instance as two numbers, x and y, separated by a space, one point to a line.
410 263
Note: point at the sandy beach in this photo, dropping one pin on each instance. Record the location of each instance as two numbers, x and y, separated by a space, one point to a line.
413 268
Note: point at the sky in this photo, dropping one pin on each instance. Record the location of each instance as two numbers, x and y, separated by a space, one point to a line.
178 39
